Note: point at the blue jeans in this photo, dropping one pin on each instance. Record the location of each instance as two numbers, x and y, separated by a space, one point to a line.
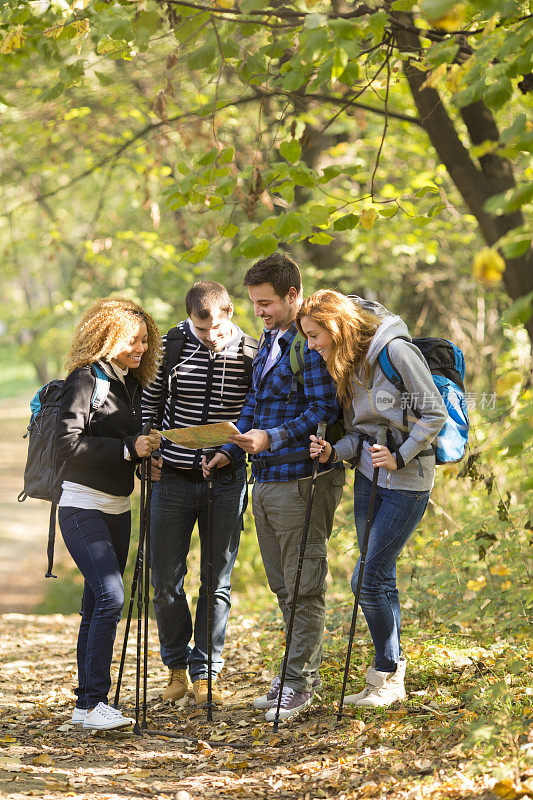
396 515
99 544
177 504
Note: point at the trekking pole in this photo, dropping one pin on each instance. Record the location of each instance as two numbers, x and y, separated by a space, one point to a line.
209 704
148 510
380 439
133 591
321 432
141 563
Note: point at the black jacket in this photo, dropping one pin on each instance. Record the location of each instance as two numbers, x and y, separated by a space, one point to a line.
93 452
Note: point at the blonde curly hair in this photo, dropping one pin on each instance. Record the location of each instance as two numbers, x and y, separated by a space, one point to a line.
351 328
104 331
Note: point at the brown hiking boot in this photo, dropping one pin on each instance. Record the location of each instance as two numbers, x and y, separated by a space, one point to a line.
178 684
199 688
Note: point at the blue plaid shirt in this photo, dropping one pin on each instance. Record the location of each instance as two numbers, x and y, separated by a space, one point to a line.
287 411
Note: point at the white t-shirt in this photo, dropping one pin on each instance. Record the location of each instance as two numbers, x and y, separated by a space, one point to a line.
274 353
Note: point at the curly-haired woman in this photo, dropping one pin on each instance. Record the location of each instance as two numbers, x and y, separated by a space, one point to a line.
349 338
99 448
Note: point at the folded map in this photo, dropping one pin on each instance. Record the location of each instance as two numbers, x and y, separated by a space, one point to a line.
199 437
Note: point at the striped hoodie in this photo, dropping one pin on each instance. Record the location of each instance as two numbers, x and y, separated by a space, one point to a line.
204 387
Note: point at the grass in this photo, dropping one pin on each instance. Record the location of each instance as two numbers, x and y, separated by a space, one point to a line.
18 377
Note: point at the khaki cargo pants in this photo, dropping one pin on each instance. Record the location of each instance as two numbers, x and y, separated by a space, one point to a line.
279 510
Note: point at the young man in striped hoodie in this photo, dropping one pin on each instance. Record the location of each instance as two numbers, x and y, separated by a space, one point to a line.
204 378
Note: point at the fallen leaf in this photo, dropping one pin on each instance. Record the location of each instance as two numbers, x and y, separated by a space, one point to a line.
43 760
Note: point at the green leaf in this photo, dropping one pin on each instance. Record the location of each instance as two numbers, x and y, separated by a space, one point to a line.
291 150
104 79
346 223
498 94
203 57
388 212
435 9
208 158
511 200
264 246
313 21
227 155
328 173
519 312
150 20
340 60
317 215
442 53
198 252
321 238
291 222
302 176
229 231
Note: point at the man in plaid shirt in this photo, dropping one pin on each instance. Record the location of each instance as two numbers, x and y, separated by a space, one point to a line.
276 421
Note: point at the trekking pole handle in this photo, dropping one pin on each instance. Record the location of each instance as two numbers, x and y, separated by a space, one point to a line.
146 429
381 437
321 430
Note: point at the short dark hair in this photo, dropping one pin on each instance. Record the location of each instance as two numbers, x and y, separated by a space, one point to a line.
278 269
203 296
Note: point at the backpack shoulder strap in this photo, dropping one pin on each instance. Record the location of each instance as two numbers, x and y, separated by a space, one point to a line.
175 342
296 356
249 351
101 387
387 365
173 349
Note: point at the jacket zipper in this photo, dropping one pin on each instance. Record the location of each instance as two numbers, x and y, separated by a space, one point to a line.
205 411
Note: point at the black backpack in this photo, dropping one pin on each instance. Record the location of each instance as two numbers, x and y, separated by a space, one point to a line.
173 349
43 473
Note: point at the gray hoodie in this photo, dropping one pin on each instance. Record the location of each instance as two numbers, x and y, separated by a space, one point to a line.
380 401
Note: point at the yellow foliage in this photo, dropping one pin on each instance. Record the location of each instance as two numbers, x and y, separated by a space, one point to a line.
452 20
490 27
476 584
368 218
499 569
507 383
224 3
13 40
434 77
505 789
455 77
488 265
505 586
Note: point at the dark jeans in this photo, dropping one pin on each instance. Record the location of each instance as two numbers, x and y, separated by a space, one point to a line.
396 515
98 543
177 504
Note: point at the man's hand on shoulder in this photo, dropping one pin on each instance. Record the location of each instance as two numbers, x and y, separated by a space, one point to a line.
254 441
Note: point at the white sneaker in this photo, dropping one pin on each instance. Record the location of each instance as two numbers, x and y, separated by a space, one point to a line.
292 703
382 688
78 715
105 718
271 697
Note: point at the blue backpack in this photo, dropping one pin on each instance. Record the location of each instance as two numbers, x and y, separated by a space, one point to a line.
446 363
42 475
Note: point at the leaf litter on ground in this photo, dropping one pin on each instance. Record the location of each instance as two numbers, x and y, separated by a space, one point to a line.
411 751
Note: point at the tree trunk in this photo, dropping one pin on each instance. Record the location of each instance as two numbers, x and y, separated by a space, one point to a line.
476 184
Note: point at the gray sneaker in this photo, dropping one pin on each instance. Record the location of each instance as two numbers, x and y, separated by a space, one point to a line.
271 697
291 704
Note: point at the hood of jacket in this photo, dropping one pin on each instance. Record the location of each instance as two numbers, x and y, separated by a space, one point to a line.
391 327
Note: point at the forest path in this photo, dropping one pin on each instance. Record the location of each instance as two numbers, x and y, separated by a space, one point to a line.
23 526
